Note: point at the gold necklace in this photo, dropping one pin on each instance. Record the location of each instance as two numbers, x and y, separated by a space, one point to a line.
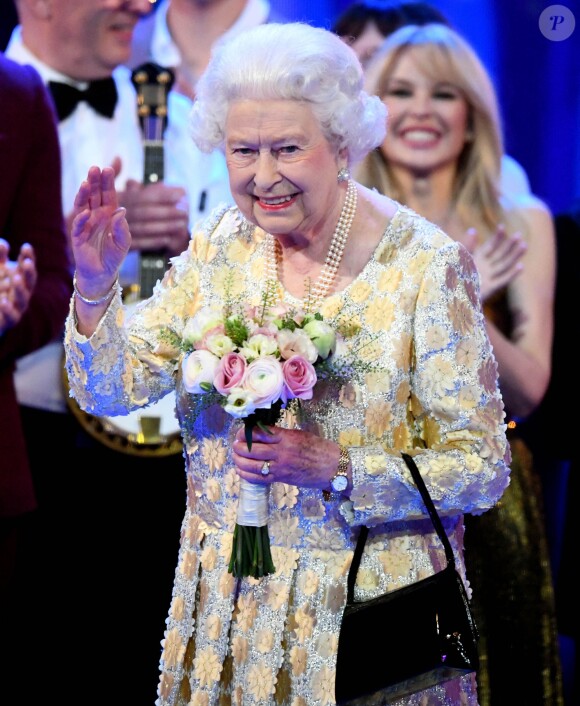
318 291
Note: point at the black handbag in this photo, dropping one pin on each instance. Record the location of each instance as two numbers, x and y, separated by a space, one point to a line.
408 639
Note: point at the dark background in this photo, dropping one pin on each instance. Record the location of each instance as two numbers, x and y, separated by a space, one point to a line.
537 80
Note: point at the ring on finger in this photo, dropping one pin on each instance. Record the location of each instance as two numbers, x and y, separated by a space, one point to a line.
265 470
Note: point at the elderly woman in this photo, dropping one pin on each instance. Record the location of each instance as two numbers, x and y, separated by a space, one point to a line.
409 368
441 157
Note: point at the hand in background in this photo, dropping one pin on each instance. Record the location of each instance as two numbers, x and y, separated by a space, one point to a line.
498 259
17 282
158 216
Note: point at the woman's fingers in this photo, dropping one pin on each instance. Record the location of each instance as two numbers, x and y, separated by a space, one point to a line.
120 229
499 260
22 292
27 269
108 193
4 250
470 239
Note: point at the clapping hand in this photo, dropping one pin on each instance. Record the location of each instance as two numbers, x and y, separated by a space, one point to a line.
100 236
498 259
17 283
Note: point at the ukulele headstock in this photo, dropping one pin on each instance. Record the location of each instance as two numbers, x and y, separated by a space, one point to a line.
152 83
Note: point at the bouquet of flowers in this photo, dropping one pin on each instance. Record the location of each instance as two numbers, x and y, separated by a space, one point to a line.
255 361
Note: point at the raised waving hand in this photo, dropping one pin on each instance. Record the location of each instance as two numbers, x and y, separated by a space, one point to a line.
100 236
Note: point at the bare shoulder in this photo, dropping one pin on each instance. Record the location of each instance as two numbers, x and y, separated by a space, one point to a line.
530 212
376 206
526 204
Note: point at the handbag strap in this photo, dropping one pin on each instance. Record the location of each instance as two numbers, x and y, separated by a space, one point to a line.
364 530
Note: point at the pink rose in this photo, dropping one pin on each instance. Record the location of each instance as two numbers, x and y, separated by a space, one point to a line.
299 377
229 373
264 381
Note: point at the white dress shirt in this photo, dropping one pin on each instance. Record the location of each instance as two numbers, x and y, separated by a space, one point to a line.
153 41
86 139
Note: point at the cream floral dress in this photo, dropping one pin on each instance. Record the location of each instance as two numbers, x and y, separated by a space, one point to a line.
413 315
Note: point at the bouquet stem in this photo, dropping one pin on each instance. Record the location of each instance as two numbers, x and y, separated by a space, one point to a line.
251 555
251 552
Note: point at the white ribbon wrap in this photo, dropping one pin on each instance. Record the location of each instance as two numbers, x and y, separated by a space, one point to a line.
253 507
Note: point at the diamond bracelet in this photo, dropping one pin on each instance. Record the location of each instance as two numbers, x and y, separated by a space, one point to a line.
101 300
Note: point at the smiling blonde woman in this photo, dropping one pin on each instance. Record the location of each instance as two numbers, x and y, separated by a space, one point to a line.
442 157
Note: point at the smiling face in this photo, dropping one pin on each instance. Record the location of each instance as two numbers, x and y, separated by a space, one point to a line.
283 170
84 39
428 117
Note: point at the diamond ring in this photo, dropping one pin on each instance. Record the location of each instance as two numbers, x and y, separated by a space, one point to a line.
265 468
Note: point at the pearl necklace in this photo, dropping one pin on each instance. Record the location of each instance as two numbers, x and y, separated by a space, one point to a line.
327 275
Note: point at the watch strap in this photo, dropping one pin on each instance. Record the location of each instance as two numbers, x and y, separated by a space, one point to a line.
342 470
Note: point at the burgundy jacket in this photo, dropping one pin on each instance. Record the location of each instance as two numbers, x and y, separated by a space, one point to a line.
30 211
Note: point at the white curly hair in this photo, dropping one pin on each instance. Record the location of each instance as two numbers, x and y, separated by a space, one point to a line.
290 61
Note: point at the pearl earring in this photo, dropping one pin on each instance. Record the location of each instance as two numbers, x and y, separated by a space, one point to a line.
343 174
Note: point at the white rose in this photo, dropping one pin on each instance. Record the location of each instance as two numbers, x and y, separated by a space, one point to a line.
198 368
219 344
239 403
205 319
296 342
264 380
259 345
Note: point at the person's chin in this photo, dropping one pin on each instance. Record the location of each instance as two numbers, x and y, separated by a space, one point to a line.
270 219
270 225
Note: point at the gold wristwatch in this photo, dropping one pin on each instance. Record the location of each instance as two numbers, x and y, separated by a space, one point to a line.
339 482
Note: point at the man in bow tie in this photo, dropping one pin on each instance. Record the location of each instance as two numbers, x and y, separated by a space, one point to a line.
75 44
111 519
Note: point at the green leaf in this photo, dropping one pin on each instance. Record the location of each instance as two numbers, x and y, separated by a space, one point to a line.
248 428
263 427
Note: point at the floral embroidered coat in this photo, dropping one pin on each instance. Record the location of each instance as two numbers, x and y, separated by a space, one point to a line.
413 313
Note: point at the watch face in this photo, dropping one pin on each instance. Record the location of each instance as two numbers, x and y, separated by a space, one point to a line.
339 483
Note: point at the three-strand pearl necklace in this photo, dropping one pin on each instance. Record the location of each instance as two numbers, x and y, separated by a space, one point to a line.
320 288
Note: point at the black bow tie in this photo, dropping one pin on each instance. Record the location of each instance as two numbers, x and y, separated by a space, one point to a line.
100 95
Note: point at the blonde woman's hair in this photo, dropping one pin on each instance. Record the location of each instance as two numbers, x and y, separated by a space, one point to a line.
447 57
